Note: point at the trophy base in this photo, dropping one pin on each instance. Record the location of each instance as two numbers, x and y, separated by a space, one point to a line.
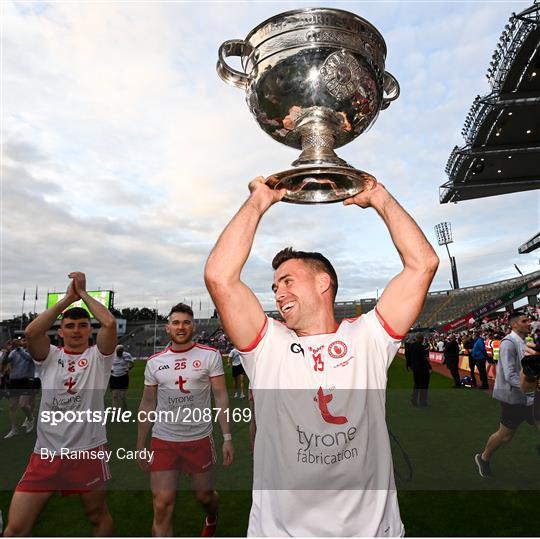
321 184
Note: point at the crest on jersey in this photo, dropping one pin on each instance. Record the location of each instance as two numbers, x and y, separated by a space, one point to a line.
196 364
337 349
82 363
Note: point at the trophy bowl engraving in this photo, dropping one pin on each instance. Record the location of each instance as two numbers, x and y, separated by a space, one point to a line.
314 80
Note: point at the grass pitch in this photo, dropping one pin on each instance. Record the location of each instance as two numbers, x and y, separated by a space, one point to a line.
444 497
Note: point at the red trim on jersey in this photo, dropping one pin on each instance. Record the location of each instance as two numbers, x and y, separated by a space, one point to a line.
71 353
351 320
257 339
388 329
204 347
158 354
318 334
170 349
151 385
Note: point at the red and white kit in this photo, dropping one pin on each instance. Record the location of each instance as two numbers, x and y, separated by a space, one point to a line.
73 381
322 462
183 382
70 382
69 476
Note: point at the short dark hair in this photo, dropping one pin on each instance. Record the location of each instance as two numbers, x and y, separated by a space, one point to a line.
181 308
76 313
316 261
515 315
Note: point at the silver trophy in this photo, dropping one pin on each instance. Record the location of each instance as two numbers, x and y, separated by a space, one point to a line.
314 80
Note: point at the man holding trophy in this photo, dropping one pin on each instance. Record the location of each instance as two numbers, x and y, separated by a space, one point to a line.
315 80
284 362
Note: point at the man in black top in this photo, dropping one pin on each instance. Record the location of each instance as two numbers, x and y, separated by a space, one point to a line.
451 358
468 344
417 360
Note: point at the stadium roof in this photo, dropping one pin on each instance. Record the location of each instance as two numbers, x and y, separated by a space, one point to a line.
530 245
502 130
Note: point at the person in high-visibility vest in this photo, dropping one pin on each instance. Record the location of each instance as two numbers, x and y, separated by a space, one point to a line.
489 346
495 346
462 350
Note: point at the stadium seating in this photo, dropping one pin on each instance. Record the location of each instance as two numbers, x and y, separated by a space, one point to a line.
440 307
448 305
139 338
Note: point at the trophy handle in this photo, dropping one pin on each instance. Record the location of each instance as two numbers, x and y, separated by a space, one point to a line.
233 47
391 89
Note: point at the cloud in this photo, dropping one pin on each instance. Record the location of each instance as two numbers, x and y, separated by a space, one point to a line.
125 155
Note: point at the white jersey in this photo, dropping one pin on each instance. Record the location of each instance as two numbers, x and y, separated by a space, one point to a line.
184 391
72 382
234 356
322 460
122 364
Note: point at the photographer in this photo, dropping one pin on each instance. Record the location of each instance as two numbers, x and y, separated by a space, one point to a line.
516 406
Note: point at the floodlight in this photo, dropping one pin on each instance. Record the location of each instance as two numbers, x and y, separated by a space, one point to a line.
443 232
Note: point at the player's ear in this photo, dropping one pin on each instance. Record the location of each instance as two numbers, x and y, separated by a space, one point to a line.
324 282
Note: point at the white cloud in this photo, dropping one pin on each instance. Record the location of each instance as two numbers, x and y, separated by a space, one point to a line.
125 154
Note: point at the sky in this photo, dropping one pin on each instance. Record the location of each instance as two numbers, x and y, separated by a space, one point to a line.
124 154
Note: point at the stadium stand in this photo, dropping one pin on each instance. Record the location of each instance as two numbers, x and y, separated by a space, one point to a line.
139 338
447 305
444 310
343 309
460 305
502 142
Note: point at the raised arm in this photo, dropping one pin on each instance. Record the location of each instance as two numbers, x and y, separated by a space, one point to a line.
106 337
38 341
404 296
240 311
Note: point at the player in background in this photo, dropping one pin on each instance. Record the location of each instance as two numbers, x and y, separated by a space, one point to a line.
73 377
20 386
238 373
178 386
119 381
